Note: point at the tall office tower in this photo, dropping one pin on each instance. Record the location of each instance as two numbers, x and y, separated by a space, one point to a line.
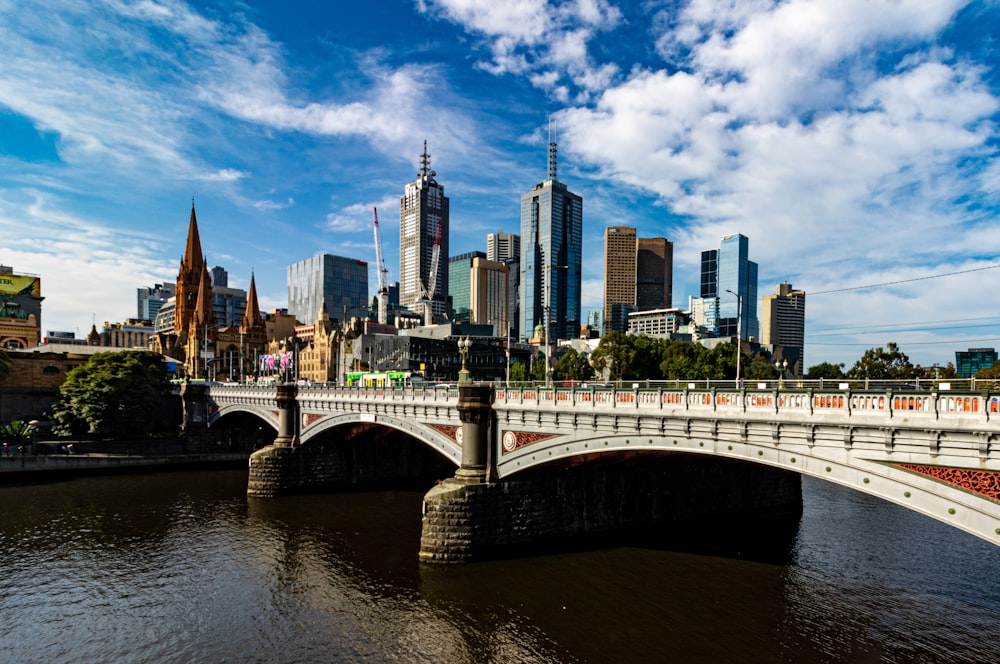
228 304
423 223
150 299
489 289
783 320
619 275
220 278
728 275
513 293
654 273
595 319
638 273
460 284
500 246
551 257
340 284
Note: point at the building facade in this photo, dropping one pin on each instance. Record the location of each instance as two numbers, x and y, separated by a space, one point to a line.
654 273
500 246
150 299
334 284
490 289
551 257
619 276
20 309
423 224
968 362
460 284
730 277
783 321
660 323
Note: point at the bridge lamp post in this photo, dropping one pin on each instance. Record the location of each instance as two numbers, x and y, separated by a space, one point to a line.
739 334
464 345
782 367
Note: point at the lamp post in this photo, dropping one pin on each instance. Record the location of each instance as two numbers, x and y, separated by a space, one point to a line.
548 302
506 352
464 345
739 334
782 367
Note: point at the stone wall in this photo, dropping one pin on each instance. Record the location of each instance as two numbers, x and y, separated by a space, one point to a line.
598 502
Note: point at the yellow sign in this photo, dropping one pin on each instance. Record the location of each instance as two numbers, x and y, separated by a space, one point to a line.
15 284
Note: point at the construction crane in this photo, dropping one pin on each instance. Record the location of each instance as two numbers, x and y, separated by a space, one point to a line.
383 279
431 288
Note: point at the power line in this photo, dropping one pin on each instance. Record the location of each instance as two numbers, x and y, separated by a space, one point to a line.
924 322
951 342
848 332
906 281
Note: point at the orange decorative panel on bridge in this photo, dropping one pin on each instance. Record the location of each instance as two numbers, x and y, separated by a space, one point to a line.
982 482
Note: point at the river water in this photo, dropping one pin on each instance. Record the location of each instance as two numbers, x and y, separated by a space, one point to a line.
181 567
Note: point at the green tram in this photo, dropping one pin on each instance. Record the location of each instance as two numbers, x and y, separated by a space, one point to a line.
384 379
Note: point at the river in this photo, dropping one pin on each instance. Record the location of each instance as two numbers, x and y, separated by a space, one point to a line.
181 567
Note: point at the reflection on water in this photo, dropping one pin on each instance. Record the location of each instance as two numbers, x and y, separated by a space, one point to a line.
182 567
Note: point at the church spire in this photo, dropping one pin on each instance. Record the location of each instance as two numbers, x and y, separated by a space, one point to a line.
193 259
251 316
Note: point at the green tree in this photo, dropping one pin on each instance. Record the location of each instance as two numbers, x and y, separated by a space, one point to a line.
518 372
113 394
989 372
573 366
761 368
617 354
883 363
826 370
17 433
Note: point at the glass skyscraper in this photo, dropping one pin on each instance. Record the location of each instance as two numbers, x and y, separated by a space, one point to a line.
728 275
339 283
551 257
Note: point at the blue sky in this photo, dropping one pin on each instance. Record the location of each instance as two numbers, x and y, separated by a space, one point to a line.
854 141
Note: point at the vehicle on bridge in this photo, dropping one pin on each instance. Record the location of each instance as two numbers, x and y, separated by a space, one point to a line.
384 379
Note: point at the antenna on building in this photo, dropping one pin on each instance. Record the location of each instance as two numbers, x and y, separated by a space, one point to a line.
425 162
553 150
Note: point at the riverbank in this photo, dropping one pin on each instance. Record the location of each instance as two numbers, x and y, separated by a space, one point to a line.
45 467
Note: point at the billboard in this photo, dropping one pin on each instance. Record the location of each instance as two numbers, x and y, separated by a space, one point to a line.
16 284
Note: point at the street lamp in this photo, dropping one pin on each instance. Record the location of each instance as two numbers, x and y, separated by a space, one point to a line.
547 300
782 367
464 345
739 334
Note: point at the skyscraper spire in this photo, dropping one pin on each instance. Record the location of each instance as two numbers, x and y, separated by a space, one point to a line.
553 151
425 161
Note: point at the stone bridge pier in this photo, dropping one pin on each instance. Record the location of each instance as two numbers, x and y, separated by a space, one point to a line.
475 515
278 468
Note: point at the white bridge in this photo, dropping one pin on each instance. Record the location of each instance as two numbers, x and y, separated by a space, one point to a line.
935 452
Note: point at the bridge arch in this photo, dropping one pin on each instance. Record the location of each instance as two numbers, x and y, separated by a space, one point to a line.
427 435
892 481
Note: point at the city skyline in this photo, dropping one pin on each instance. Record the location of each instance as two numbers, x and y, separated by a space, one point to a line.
854 143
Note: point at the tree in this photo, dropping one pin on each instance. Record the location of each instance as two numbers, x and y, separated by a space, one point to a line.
112 394
881 364
573 366
826 370
617 354
761 369
989 372
518 372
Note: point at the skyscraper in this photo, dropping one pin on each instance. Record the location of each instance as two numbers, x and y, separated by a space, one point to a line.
500 246
551 256
423 223
341 284
619 275
489 294
654 273
783 321
460 284
728 277
638 274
